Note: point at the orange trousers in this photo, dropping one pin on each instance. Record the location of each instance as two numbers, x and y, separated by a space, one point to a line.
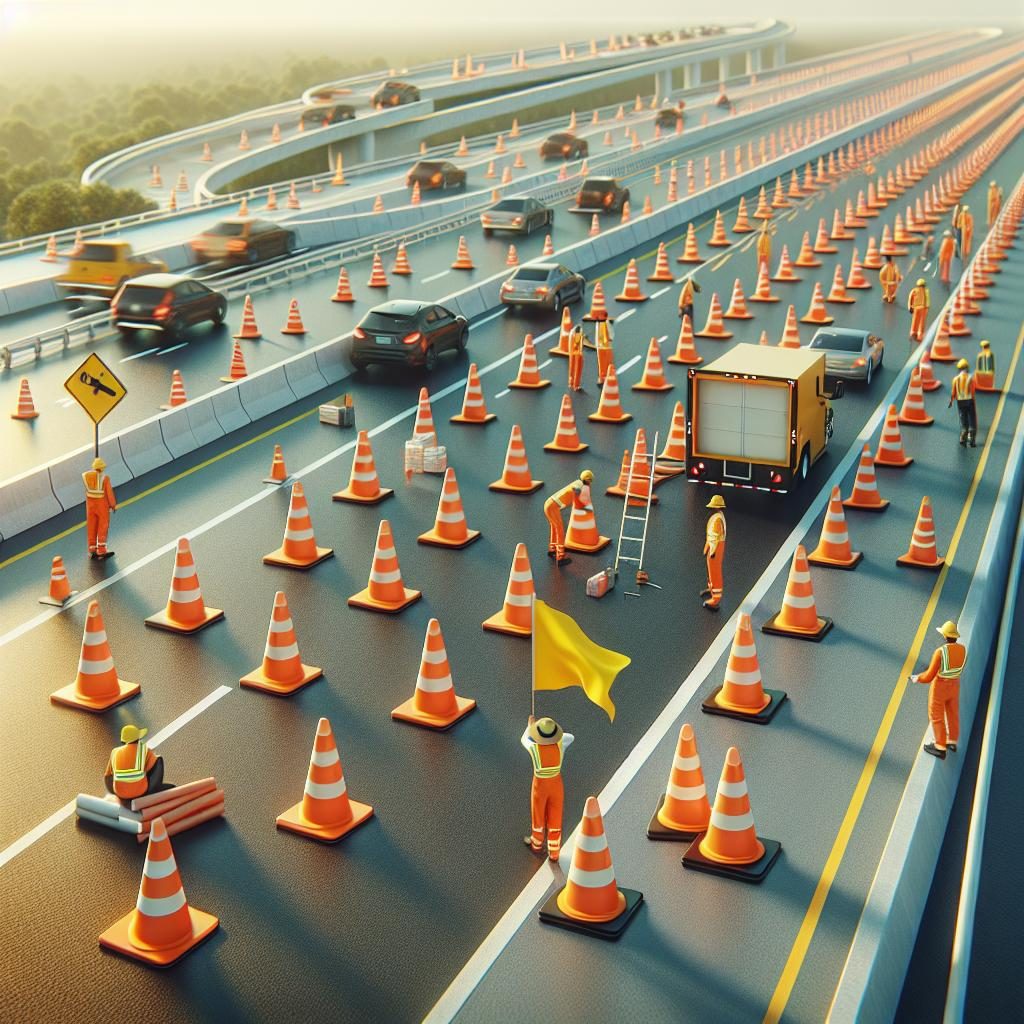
944 710
97 523
715 584
889 291
556 532
546 799
604 360
944 268
918 323
575 371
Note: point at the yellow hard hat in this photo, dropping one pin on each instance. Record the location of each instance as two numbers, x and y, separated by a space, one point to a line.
962 365
586 476
717 501
132 733
966 207
984 344
948 630
98 463
921 282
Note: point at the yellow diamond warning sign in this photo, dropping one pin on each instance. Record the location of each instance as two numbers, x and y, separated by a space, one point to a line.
95 388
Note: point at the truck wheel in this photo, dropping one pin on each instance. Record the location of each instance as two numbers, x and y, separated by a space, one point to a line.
805 466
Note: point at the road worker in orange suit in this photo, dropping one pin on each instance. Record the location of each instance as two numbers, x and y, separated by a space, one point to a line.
574 495
943 676
603 343
946 251
764 247
890 277
714 553
546 743
576 358
995 201
99 503
686 298
966 233
133 770
961 391
918 303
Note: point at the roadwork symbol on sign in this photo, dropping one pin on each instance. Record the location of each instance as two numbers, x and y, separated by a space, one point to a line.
95 388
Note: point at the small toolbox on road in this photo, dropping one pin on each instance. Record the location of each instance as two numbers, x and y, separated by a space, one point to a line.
600 583
339 414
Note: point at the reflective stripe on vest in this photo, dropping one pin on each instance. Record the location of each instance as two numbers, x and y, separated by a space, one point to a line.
137 772
949 671
543 771
986 362
962 387
713 535
94 484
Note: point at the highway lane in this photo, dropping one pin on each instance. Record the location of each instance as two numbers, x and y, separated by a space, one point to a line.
206 353
404 901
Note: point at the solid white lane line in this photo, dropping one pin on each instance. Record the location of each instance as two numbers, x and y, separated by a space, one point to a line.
434 277
139 355
629 312
173 348
65 812
659 292
501 394
547 362
627 365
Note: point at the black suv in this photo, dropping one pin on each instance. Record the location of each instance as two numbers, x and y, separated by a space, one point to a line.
394 94
167 303
409 332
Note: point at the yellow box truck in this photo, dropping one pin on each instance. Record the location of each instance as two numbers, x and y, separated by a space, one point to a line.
758 418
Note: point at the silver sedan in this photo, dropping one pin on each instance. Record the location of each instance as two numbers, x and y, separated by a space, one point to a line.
850 353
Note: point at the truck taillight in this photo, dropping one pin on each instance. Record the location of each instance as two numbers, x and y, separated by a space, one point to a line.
776 478
697 469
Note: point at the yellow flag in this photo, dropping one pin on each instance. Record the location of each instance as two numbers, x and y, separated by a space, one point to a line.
563 655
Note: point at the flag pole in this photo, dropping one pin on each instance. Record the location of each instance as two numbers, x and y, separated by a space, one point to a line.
533 654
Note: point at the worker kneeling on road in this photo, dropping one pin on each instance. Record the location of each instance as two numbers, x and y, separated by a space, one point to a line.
133 769
714 553
546 744
99 503
918 303
943 675
576 495
962 392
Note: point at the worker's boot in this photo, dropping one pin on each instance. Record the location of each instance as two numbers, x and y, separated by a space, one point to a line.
951 747
103 555
706 592
939 752
528 841
970 439
551 553
563 560
712 604
963 438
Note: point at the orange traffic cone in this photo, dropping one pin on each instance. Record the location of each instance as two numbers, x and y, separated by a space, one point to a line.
516 615
691 253
378 279
806 257
363 483
742 694
237 370
450 529
865 487
292 202
177 396
185 611
890 444
299 549
591 901
401 265
463 261
609 408
294 324
278 471
913 410
924 364
512 259
51 254
873 258
343 293
566 437
675 446
474 408
271 198
326 812
763 291
561 347
763 211
26 409
785 271
957 325
424 424
434 704
922 553
163 927
856 278
834 548
598 311
731 846
582 534
715 327
817 313
60 588
595 226
248 331
529 374
654 371
742 225
738 304
838 291
282 671
385 591
683 810
515 478
799 615
97 686
686 351
941 351
631 289
718 237
839 232
415 197
662 271
549 247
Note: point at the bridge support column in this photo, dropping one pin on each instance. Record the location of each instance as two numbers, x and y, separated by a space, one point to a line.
663 83
723 68
779 56
691 76
367 147
753 62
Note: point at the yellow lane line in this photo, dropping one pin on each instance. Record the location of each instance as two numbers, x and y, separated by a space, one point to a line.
791 970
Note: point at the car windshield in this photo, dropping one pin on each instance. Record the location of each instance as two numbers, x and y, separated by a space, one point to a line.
510 206
378 321
425 166
597 185
97 253
838 342
143 295
226 230
530 274
561 137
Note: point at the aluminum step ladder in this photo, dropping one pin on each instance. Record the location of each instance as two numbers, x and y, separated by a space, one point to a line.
637 523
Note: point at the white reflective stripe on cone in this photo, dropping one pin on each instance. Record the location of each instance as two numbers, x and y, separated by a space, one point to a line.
160 906
395 576
520 600
434 657
95 668
385 553
685 792
733 789
799 601
800 576
742 678
686 764
92 639
732 822
743 650
591 844
325 758
591 879
363 478
441 685
183 572
306 534
159 868
281 653
325 790
450 517
281 625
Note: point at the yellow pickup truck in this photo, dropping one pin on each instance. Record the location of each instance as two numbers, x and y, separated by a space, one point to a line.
99 269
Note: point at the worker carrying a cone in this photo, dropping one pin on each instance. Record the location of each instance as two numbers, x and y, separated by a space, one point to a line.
943 677
133 770
918 303
889 277
686 298
546 743
574 495
99 503
961 391
714 553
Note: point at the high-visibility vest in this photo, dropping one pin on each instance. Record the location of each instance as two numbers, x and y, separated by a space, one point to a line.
963 386
715 531
136 770
565 495
542 770
986 362
94 483
764 245
686 295
948 670
889 274
919 298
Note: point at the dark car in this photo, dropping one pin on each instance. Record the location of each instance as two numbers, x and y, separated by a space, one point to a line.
240 240
394 94
436 174
409 332
564 146
322 115
668 117
601 194
523 216
549 285
850 353
166 302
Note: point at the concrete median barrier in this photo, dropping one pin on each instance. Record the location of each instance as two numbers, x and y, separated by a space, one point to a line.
177 433
265 392
303 375
26 501
202 419
66 473
143 447
332 360
227 407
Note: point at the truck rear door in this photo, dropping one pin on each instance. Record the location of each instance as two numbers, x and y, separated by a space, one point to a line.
741 422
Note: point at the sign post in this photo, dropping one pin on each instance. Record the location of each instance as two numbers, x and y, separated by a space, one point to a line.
96 388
